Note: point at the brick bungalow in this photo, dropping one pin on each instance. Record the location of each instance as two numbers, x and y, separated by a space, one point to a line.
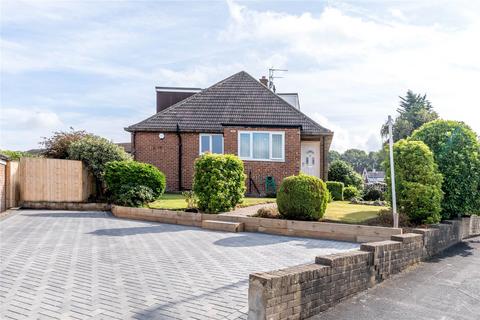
238 115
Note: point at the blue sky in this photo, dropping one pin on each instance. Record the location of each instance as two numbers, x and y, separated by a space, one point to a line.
94 64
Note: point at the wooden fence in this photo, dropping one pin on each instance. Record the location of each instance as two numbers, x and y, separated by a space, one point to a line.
54 180
12 179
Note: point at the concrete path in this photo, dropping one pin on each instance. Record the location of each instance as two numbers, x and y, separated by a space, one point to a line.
89 265
447 287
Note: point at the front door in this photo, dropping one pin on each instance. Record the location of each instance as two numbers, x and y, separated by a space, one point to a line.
311 158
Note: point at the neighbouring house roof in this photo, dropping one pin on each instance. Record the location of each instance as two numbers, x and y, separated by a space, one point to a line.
4 157
237 100
127 146
373 176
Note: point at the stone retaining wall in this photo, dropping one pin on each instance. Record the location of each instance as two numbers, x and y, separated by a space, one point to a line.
80 206
302 291
310 229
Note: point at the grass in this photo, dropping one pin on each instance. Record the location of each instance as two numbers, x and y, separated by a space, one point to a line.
176 201
344 211
341 211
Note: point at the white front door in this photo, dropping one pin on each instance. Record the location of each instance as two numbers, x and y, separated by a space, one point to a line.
311 158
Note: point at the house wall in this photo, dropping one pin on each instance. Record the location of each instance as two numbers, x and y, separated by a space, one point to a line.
149 148
261 169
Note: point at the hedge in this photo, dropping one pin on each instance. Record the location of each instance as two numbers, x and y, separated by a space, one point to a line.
336 190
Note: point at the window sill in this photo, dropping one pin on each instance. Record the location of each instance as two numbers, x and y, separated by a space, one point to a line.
262 160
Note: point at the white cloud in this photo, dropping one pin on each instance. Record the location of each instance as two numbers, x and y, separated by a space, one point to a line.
358 66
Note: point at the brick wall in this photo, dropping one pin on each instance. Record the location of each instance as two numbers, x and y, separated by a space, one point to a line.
3 168
261 169
302 291
150 148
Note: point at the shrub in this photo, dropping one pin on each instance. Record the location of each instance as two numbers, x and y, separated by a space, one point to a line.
57 145
456 151
219 182
267 212
336 190
343 172
350 193
96 152
302 197
17 155
134 195
190 199
417 182
373 192
133 173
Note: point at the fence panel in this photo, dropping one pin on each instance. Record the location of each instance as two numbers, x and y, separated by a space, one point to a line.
54 180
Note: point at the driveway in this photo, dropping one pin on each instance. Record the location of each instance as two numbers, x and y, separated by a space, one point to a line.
89 265
446 287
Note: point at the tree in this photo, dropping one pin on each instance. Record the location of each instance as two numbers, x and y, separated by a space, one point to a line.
57 145
417 181
414 111
357 158
16 155
95 152
456 151
343 172
375 159
333 155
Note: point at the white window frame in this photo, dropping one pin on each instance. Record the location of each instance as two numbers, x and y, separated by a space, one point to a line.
270 158
210 135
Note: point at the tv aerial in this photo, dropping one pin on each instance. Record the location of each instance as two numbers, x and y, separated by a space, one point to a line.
271 76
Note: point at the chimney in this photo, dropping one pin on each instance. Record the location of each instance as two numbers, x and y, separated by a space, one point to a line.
264 81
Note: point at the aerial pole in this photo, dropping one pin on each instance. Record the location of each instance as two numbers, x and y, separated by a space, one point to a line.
271 76
392 172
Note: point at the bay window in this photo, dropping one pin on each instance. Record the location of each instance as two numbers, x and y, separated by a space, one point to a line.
261 145
212 143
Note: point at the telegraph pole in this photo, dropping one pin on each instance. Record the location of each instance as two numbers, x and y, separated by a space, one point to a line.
392 173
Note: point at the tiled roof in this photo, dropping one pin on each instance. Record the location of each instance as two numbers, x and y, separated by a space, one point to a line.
237 100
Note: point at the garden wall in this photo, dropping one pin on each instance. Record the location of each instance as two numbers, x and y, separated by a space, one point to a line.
302 291
310 229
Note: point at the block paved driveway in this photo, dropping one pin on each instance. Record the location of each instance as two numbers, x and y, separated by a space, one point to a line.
90 265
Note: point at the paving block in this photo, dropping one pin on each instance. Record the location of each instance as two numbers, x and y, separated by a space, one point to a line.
223 225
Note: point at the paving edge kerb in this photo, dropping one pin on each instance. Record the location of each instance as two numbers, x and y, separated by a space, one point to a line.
303 291
310 229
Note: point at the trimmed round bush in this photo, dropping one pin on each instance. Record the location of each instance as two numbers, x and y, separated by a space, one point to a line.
219 182
132 173
350 193
341 171
134 195
456 151
336 190
302 197
417 181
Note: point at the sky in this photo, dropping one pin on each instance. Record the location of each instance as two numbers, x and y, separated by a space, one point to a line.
94 65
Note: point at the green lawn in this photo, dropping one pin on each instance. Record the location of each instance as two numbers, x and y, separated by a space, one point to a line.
341 211
176 201
351 213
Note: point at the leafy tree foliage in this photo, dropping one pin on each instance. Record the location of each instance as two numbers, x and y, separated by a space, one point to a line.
57 145
16 155
417 181
302 197
343 172
333 155
456 151
414 111
357 158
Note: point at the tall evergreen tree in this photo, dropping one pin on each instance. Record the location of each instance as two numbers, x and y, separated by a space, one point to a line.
414 111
